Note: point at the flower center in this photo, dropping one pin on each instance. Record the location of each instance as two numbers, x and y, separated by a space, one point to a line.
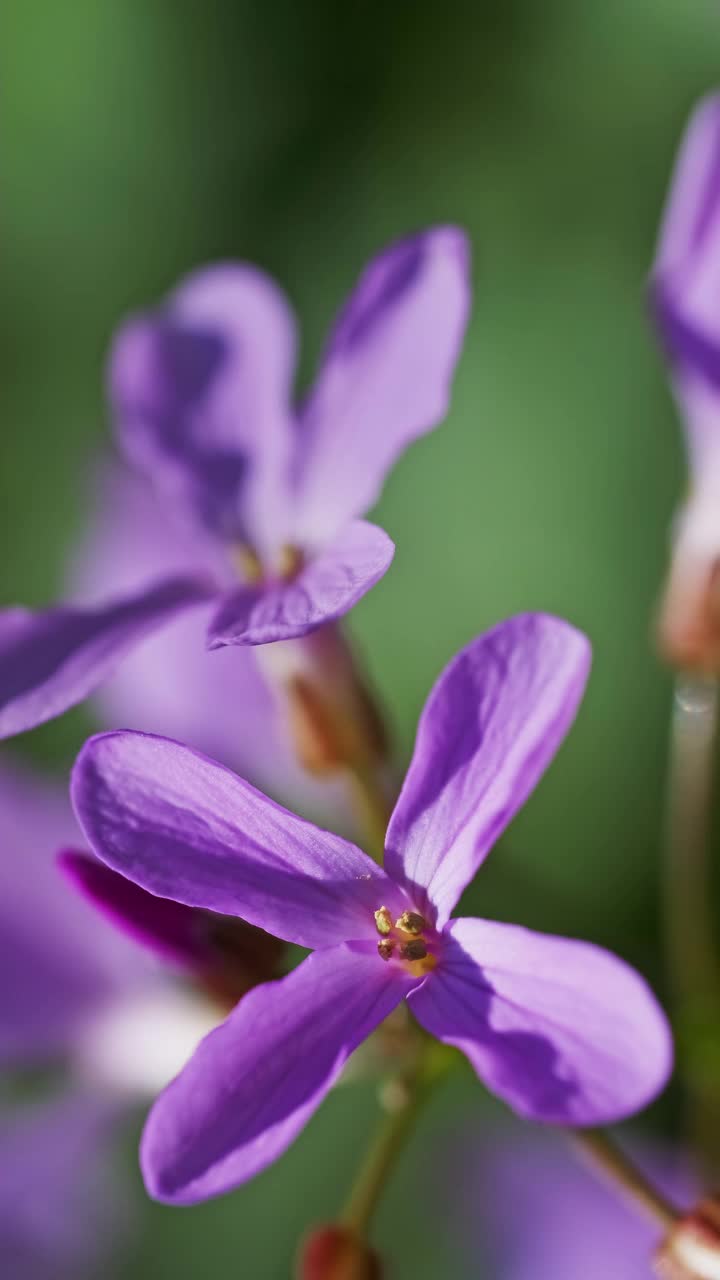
248 564
408 941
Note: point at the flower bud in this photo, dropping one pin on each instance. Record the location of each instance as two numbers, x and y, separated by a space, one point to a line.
336 1253
691 1250
689 630
334 721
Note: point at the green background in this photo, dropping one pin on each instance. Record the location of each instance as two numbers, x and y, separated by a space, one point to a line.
144 137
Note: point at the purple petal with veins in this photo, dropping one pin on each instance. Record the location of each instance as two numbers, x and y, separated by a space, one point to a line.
385 378
563 1031
253 1083
324 589
490 727
183 827
200 391
52 659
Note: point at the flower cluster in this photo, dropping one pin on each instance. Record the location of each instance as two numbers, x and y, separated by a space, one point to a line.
235 522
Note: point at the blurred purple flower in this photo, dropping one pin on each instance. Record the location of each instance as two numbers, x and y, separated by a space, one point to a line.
68 976
61 973
201 392
61 965
225 707
541 1215
685 294
561 1030
80 995
61 1208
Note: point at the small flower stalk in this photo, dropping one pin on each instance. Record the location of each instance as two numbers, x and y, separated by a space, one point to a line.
335 721
335 725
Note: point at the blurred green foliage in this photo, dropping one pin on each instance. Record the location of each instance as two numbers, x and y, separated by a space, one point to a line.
144 137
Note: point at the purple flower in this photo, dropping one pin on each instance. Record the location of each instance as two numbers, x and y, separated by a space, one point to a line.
201 392
684 293
84 997
62 967
225 707
68 977
63 974
543 1216
560 1030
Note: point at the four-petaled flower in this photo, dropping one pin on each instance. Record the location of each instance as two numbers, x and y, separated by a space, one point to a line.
201 390
684 294
562 1030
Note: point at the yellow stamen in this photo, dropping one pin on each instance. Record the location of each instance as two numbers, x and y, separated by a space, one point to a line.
405 941
290 561
411 922
414 950
383 921
247 563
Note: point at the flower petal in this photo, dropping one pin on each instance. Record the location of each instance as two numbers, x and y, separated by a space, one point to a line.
692 204
201 394
183 827
563 1031
168 928
226 955
61 964
52 659
326 588
253 1083
685 280
490 727
385 379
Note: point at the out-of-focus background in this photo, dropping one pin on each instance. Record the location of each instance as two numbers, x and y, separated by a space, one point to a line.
143 139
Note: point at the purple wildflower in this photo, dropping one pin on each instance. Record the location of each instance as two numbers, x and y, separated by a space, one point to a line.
85 998
561 1030
684 292
64 975
61 966
166 685
201 393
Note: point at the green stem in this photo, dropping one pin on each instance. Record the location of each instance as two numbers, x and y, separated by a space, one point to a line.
382 1154
603 1154
689 935
688 923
